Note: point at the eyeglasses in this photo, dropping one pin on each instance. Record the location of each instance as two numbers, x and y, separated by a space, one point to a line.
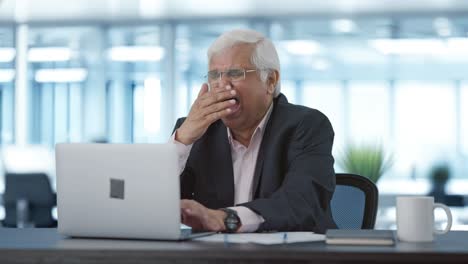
231 74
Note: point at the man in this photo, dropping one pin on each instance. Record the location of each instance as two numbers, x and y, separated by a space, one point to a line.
249 160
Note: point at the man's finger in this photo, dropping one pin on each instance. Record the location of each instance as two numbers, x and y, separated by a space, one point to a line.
217 97
213 117
189 206
184 202
217 91
184 205
218 107
203 90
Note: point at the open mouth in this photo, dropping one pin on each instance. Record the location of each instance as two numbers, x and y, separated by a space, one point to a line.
235 106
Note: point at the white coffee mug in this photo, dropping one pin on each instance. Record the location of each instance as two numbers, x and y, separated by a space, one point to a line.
415 218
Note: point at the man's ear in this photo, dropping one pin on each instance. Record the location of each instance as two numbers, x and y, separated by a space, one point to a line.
272 81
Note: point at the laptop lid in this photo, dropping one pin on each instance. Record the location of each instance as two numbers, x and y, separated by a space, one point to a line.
118 191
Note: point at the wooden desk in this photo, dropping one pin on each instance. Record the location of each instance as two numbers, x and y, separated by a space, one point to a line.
46 246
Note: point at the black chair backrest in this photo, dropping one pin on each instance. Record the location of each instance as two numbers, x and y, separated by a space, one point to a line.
36 190
355 202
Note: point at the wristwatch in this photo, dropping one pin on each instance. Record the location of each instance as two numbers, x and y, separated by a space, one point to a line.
232 221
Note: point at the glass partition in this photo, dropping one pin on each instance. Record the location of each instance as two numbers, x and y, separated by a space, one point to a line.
61 64
7 81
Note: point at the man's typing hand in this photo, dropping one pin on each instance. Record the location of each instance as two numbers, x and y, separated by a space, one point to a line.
199 217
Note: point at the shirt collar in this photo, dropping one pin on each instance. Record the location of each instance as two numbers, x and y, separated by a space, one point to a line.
260 128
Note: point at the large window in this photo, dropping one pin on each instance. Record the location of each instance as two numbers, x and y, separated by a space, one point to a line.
147 110
425 124
138 80
328 97
464 119
290 90
7 78
369 107
60 64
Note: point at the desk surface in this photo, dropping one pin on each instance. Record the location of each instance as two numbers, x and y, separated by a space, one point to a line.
47 246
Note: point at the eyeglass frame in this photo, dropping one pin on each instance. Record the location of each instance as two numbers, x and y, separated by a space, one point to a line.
221 73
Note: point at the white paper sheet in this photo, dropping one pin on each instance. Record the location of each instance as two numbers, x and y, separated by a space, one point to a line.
264 238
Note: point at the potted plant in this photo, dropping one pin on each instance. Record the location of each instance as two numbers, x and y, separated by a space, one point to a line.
439 176
370 161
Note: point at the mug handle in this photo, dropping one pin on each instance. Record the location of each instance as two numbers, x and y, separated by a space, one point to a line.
449 218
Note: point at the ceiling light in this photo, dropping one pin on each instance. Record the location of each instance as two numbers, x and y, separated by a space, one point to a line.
136 53
61 75
49 54
7 75
408 46
7 54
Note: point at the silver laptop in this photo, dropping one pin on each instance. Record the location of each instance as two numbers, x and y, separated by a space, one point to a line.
119 191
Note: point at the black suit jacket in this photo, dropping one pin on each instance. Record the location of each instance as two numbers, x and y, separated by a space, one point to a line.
294 178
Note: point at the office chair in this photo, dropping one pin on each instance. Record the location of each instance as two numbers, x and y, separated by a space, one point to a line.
355 202
32 195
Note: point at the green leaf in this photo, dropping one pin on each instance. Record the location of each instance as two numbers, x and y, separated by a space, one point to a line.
369 161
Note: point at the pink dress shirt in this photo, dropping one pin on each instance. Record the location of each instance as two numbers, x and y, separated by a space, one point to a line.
244 160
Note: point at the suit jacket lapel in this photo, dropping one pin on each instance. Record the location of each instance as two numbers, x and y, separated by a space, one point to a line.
264 148
222 161
259 165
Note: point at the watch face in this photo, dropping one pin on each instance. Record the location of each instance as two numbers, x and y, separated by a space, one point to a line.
232 226
231 222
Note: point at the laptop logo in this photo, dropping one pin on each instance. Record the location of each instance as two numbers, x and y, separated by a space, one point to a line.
117 189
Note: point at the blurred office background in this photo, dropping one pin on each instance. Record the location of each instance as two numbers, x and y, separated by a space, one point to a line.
388 73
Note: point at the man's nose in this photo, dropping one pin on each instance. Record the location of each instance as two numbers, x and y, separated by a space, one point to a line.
225 80
222 82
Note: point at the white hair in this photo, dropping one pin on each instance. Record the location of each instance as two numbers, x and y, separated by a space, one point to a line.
265 58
